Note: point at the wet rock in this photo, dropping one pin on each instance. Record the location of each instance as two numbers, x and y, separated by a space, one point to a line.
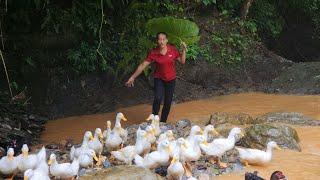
106 164
183 128
122 173
162 170
300 78
17 126
289 118
204 176
183 123
232 118
257 136
52 146
224 122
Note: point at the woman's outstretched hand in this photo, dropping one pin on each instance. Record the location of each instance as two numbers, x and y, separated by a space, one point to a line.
130 82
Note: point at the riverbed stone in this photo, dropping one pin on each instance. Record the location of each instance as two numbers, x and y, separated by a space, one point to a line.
232 118
294 118
224 122
122 173
258 135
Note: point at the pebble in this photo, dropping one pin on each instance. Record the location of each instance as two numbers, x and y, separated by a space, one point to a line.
106 164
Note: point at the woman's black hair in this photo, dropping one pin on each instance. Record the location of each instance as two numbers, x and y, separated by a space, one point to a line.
277 175
157 36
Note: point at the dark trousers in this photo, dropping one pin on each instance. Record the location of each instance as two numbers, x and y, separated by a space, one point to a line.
166 90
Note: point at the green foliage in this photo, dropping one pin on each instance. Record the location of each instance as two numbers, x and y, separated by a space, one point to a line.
208 2
267 17
228 48
229 5
193 51
178 30
85 59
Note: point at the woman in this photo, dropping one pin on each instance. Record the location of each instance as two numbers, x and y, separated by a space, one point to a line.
164 57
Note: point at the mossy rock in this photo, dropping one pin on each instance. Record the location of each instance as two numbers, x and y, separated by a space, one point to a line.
258 135
294 118
232 118
224 122
122 173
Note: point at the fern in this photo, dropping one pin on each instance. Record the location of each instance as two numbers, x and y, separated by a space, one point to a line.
178 30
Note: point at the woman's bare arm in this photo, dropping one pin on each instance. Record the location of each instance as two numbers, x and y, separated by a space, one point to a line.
182 58
141 67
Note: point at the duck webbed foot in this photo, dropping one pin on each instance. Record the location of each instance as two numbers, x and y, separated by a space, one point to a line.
187 169
212 160
11 177
222 164
153 147
101 160
246 163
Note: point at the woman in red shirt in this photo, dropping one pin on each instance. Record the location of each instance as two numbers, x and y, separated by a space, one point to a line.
164 56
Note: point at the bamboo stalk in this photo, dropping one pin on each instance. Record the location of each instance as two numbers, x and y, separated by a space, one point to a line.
5 69
1 35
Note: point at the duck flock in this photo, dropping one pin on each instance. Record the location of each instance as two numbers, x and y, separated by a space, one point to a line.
152 149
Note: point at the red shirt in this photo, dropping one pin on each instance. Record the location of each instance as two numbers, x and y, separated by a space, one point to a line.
165 64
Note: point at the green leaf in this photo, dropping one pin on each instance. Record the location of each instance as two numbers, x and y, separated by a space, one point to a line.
178 30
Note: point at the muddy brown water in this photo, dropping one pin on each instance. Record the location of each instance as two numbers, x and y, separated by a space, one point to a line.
296 165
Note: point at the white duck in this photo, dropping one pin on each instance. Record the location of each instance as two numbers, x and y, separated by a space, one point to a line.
42 165
151 134
113 139
31 174
41 172
175 170
176 146
95 144
86 158
256 156
127 153
155 123
155 158
142 146
191 152
209 129
75 152
9 164
107 131
168 135
26 160
63 170
219 146
118 129
195 130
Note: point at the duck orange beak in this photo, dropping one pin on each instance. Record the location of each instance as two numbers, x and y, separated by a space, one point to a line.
278 148
95 157
205 143
216 132
169 149
201 132
124 118
91 137
49 162
242 134
25 153
101 135
25 178
10 157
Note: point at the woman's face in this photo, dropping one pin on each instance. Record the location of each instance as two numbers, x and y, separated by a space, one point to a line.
162 40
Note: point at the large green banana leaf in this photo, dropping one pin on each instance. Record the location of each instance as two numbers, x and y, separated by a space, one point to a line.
178 30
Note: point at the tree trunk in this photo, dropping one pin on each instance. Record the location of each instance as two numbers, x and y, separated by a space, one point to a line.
245 8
